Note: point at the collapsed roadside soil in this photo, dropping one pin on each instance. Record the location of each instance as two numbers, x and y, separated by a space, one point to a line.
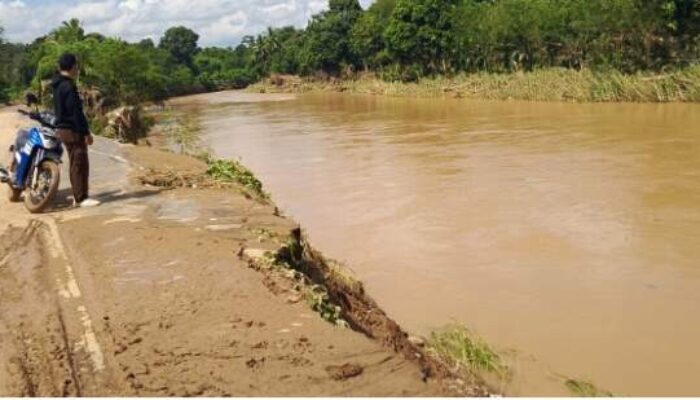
153 294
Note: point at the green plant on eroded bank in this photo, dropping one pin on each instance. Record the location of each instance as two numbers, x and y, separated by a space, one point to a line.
234 171
319 301
583 388
463 349
315 295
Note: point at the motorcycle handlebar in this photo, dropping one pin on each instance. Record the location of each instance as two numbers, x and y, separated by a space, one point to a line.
31 115
36 117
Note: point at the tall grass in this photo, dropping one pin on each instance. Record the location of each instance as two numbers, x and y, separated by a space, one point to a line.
462 348
552 84
582 388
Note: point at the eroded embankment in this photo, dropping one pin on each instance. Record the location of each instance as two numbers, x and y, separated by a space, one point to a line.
297 271
360 311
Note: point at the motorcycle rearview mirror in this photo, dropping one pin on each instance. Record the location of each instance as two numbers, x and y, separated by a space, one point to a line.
31 99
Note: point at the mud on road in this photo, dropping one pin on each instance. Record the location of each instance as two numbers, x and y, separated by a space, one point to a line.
147 295
36 350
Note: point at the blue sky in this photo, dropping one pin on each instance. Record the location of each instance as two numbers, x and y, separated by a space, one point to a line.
218 22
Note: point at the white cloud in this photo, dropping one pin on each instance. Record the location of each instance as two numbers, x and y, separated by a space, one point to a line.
224 27
219 22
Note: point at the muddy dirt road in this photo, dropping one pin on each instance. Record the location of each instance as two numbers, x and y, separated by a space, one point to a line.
146 295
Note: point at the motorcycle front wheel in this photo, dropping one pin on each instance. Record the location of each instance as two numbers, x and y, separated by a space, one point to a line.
43 189
14 195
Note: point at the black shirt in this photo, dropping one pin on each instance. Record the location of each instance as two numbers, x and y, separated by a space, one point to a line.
68 106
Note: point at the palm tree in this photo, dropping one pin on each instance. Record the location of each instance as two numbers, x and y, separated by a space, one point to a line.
70 31
265 46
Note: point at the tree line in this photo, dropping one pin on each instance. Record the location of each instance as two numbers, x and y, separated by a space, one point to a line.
409 39
122 72
394 39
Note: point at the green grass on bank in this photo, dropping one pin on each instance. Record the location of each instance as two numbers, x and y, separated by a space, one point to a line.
234 171
462 348
582 388
465 351
553 84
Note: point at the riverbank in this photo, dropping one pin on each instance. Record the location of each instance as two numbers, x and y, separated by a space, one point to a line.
180 284
413 188
543 85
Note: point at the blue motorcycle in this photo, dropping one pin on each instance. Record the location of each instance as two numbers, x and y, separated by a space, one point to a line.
36 158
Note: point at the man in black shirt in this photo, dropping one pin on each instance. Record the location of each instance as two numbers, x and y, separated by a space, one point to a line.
72 127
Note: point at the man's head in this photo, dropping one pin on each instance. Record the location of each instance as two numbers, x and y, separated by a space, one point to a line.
68 65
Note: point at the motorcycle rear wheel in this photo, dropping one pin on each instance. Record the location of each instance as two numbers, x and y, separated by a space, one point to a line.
36 199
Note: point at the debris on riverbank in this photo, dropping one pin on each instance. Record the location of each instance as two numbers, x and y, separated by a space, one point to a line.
552 84
219 174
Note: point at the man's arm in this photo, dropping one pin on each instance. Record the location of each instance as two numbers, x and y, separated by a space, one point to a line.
76 105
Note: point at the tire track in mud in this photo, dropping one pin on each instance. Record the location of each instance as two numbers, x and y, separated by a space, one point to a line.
69 289
69 355
40 321
36 349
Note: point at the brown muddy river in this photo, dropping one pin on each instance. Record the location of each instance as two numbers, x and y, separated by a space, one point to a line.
567 233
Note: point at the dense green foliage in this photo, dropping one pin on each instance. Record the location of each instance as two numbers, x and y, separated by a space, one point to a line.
510 35
397 39
12 56
420 32
409 39
628 35
121 73
327 39
181 43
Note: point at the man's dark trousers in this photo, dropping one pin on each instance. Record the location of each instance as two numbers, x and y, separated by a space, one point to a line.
79 163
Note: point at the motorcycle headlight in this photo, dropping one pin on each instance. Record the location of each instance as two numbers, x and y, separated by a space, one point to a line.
49 142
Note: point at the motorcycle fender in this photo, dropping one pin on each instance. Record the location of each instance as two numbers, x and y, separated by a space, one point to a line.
51 156
24 165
